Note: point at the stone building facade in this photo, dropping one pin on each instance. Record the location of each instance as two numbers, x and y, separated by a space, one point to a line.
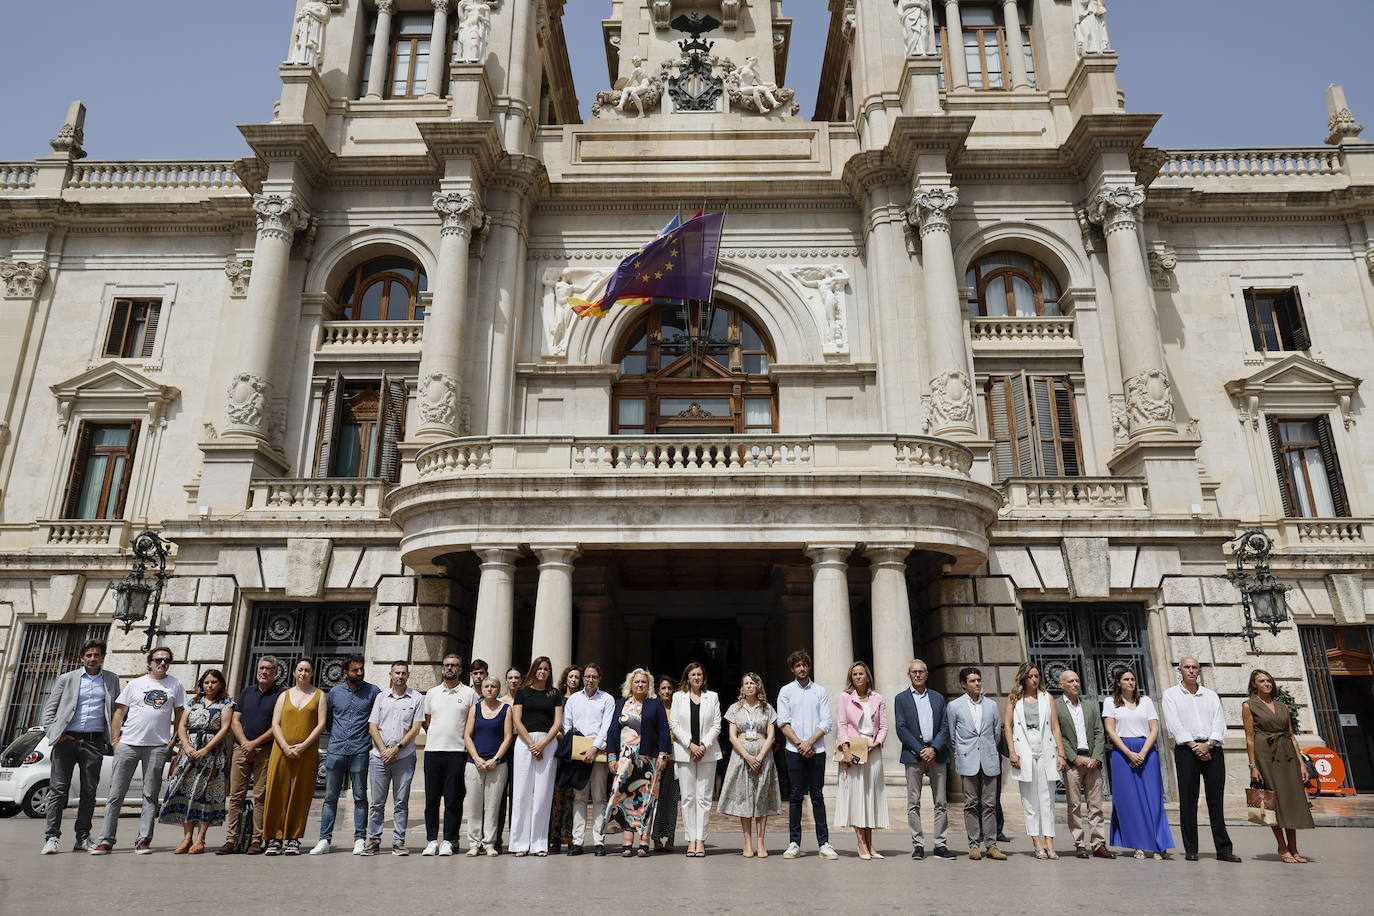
986 376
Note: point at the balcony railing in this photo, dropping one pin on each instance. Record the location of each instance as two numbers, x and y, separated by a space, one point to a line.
353 335
85 533
1078 496
1022 330
155 174
1251 163
286 497
1326 532
17 176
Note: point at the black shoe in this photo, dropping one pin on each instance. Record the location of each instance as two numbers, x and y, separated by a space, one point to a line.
574 850
943 853
918 853
600 850
1228 857
1002 837
1191 857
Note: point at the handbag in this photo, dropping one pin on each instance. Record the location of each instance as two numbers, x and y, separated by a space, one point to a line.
1259 805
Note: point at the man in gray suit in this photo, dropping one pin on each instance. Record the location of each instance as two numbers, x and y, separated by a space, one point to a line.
973 729
76 716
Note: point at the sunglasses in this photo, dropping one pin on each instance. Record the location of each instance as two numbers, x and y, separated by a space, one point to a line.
162 661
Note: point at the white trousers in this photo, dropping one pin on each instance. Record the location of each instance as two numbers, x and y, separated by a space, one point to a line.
695 782
531 797
1037 800
485 789
595 791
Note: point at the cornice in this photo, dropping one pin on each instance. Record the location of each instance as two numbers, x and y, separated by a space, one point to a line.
1096 134
477 141
521 174
290 143
914 135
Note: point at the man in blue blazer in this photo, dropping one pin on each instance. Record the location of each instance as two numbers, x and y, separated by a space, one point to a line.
973 729
924 733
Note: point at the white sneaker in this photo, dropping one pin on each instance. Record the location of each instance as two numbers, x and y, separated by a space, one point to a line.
445 848
50 846
828 852
321 848
793 851
359 846
432 848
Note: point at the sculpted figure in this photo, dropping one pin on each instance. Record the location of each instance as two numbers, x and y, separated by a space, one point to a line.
752 87
307 36
1091 30
636 86
559 318
916 23
829 282
474 29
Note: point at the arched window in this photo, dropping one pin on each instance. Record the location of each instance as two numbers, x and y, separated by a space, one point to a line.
1008 283
384 289
696 368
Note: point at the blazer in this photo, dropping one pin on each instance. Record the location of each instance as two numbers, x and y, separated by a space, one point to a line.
60 706
653 732
1047 752
1092 722
851 713
909 726
974 749
680 724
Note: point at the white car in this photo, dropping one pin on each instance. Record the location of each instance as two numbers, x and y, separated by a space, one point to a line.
24 770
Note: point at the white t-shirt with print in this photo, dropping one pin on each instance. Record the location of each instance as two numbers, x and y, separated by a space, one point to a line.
152 705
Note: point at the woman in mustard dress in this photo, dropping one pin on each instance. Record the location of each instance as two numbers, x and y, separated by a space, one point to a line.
1276 759
297 721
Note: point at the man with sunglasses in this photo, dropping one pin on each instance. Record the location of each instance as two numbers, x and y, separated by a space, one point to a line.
141 731
446 715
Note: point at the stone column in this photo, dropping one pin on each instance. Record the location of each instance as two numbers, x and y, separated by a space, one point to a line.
833 636
553 606
899 383
438 50
441 360
1016 55
381 50
250 392
957 77
892 640
1149 402
508 242
493 631
950 404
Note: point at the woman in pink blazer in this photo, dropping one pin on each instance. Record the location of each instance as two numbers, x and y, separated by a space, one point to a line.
861 800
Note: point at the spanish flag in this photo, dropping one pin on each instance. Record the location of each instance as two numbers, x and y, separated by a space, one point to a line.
680 263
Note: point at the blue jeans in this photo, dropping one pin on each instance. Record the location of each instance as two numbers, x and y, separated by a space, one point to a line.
396 776
336 766
806 775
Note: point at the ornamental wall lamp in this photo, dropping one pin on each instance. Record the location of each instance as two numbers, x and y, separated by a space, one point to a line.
132 594
1262 597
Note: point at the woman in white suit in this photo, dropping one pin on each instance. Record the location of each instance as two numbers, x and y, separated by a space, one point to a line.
1037 755
695 724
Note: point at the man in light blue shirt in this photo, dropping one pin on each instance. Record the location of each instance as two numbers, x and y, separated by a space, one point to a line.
588 713
76 716
804 717
350 704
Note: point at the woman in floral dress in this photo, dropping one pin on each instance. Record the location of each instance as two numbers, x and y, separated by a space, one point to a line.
750 791
195 793
637 751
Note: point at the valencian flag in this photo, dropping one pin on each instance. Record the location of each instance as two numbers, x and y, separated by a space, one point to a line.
679 264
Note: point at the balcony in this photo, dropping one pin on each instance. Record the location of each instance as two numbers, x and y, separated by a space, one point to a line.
1022 333
1324 534
327 497
361 338
1262 169
84 534
1074 497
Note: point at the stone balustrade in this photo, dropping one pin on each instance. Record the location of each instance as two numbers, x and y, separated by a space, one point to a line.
389 335
17 176
86 533
287 497
1327 532
155 174
1030 497
1022 330
1250 163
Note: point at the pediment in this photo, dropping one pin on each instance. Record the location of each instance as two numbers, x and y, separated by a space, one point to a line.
114 380
1297 374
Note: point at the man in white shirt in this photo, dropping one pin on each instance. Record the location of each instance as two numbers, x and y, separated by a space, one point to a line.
588 713
446 716
804 710
394 724
973 729
141 731
1192 714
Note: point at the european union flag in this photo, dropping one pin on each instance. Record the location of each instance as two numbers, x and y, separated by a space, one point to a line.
680 264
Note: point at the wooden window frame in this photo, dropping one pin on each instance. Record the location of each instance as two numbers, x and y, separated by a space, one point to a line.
1062 404
352 309
76 474
1290 330
118 336
1326 446
1028 34
1036 281
384 462
399 37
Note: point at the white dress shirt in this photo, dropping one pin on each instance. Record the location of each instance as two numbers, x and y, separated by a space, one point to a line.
1193 716
589 715
1079 726
924 715
806 709
976 707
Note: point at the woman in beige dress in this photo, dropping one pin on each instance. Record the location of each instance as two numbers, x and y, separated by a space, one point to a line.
1276 758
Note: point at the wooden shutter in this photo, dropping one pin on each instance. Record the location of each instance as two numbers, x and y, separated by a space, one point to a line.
999 424
1021 426
1281 468
1333 467
77 475
122 484
1251 315
1290 317
150 327
330 411
119 320
392 418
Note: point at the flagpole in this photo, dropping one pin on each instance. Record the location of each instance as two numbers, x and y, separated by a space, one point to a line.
715 267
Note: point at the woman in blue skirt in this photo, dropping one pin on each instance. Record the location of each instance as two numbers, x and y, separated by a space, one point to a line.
1132 724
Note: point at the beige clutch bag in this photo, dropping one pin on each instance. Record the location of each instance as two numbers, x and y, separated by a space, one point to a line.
580 746
858 747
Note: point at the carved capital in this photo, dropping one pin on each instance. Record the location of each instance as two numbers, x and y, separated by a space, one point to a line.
23 279
440 6
239 273
245 403
280 216
1117 208
439 400
1149 399
458 211
931 206
386 6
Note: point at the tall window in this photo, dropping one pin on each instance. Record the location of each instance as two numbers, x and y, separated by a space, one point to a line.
1008 283
985 46
48 650
1276 320
98 482
694 367
1310 481
1034 426
133 328
384 289
408 57
361 427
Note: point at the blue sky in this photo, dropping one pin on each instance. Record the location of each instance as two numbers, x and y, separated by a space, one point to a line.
169 79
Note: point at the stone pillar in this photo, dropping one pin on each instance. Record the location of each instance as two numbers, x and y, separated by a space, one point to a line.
441 360
508 242
381 50
1149 402
250 392
892 640
1016 55
891 284
493 631
950 401
957 78
438 50
833 637
524 28
553 606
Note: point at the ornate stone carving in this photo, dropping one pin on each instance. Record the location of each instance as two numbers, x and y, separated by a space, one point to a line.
439 400
280 216
458 211
1369 261
951 399
729 13
697 84
1162 264
1149 400
386 6
849 22
307 35
1090 29
1116 208
824 287
663 13
239 274
916 21
639 87
1342 124
246 400
72 134
474 30
1121 421
559 318
23 279
747 91
931 206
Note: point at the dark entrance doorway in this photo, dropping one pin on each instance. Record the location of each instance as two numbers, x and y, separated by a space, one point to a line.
1341 675
715 643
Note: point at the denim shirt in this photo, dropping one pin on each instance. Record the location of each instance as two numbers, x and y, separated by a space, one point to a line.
348 712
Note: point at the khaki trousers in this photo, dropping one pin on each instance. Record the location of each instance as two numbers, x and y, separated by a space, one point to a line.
1085 784
242 773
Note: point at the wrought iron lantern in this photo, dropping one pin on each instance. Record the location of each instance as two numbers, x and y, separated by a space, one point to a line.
1262 597
133 593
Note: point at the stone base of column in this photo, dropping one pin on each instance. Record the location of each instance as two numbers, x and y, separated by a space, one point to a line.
230 465
1170 468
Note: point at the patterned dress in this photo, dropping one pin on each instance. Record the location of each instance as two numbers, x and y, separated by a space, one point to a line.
746 794
636 776
197 789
